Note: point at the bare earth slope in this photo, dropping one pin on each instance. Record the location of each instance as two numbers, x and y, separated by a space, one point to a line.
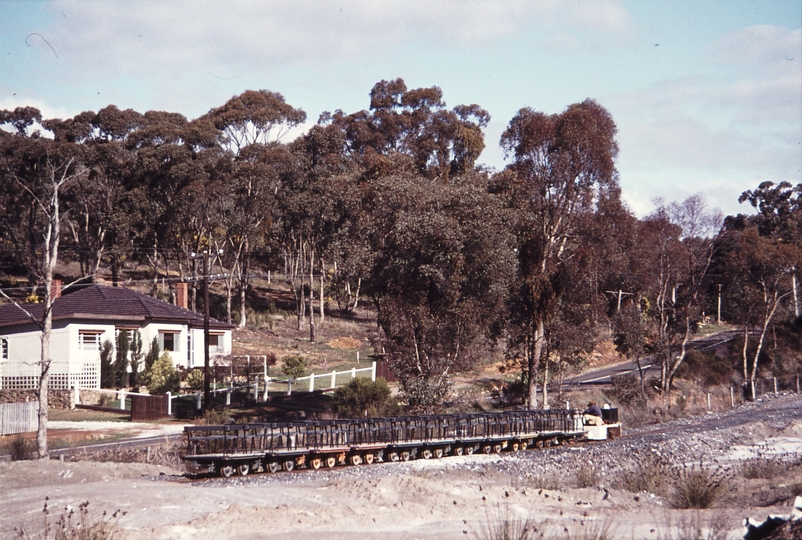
445 498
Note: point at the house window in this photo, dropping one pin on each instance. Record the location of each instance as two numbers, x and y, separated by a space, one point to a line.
168 341
128 331
4 348
89 340
215 343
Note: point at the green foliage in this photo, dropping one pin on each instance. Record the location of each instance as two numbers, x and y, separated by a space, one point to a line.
136 358
626 388
195 379
107 372
20 448
162 376
121 359
362 397
706 368
213 418
153 353
294 366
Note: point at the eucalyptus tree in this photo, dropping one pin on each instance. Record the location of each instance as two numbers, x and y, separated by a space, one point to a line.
44 169
439 143
251 126
682 236
316 203
562 166
99 224
443 261
758 261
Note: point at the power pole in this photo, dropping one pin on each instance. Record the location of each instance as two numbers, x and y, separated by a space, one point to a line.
207 394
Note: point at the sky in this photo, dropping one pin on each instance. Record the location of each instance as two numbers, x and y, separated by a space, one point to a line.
706 94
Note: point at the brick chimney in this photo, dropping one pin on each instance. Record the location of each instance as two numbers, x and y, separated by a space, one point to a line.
181 296
55 289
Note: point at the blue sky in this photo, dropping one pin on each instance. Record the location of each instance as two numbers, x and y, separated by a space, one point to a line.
707 95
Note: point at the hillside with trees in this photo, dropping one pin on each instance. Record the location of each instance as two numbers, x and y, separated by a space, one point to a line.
535 264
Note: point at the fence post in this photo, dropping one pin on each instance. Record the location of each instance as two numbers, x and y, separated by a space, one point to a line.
122 400
732 397
169 403
76 396
334 379
267 381
797 384
353 373
373 372
198 400
312 382
228 397
709 407
289 387
357 357
775 386
256 389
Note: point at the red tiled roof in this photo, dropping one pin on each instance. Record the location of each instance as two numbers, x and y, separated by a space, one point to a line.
108 304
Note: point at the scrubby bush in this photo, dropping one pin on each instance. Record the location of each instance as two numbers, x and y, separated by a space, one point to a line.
107 374
643 474
763 467
586 475
697 487
20 448
626 388
706 368
363 397
195 379
70 526
162 376
213 418
294 366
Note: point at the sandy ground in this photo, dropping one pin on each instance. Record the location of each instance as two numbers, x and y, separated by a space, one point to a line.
456 497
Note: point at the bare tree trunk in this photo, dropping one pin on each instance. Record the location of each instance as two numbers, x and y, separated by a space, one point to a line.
311 296
322 292
546 383
538 334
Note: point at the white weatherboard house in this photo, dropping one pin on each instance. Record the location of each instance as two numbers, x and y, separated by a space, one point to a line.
84 319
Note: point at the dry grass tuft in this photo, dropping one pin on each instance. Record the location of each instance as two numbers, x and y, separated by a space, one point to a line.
697 487
20 448
72 526
344 343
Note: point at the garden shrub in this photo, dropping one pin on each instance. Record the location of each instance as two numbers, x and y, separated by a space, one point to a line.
362 397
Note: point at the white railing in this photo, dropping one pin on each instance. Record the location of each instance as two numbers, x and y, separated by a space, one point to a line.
324 381
19 417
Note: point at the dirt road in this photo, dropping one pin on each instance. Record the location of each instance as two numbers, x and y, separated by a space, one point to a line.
455 497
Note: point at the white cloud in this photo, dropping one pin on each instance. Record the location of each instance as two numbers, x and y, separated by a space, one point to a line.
185 36
768 49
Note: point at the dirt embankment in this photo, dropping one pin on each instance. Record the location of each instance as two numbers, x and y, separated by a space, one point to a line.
753 451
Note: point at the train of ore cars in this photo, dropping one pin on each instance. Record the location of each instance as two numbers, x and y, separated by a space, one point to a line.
244 448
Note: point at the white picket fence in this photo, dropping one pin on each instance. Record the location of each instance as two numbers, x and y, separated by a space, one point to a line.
19 417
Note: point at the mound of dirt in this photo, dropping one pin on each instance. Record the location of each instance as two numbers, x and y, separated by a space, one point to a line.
344 343
793 429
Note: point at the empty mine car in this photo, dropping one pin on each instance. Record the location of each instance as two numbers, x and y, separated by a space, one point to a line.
245 448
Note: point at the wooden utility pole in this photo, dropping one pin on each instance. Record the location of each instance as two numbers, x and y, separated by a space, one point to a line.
619 293
207 394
